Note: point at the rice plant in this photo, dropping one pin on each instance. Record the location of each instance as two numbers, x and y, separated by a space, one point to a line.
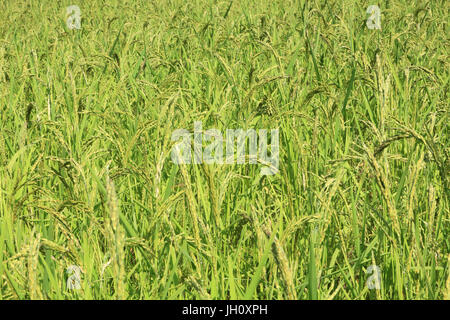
92 205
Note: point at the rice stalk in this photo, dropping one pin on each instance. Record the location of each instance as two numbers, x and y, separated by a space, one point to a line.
116 239
283 264
32 265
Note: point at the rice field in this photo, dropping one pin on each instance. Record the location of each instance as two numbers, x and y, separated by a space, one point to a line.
92 205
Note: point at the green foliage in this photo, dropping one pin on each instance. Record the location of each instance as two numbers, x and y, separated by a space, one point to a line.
86 176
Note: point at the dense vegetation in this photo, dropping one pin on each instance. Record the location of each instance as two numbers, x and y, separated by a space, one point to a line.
86 176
